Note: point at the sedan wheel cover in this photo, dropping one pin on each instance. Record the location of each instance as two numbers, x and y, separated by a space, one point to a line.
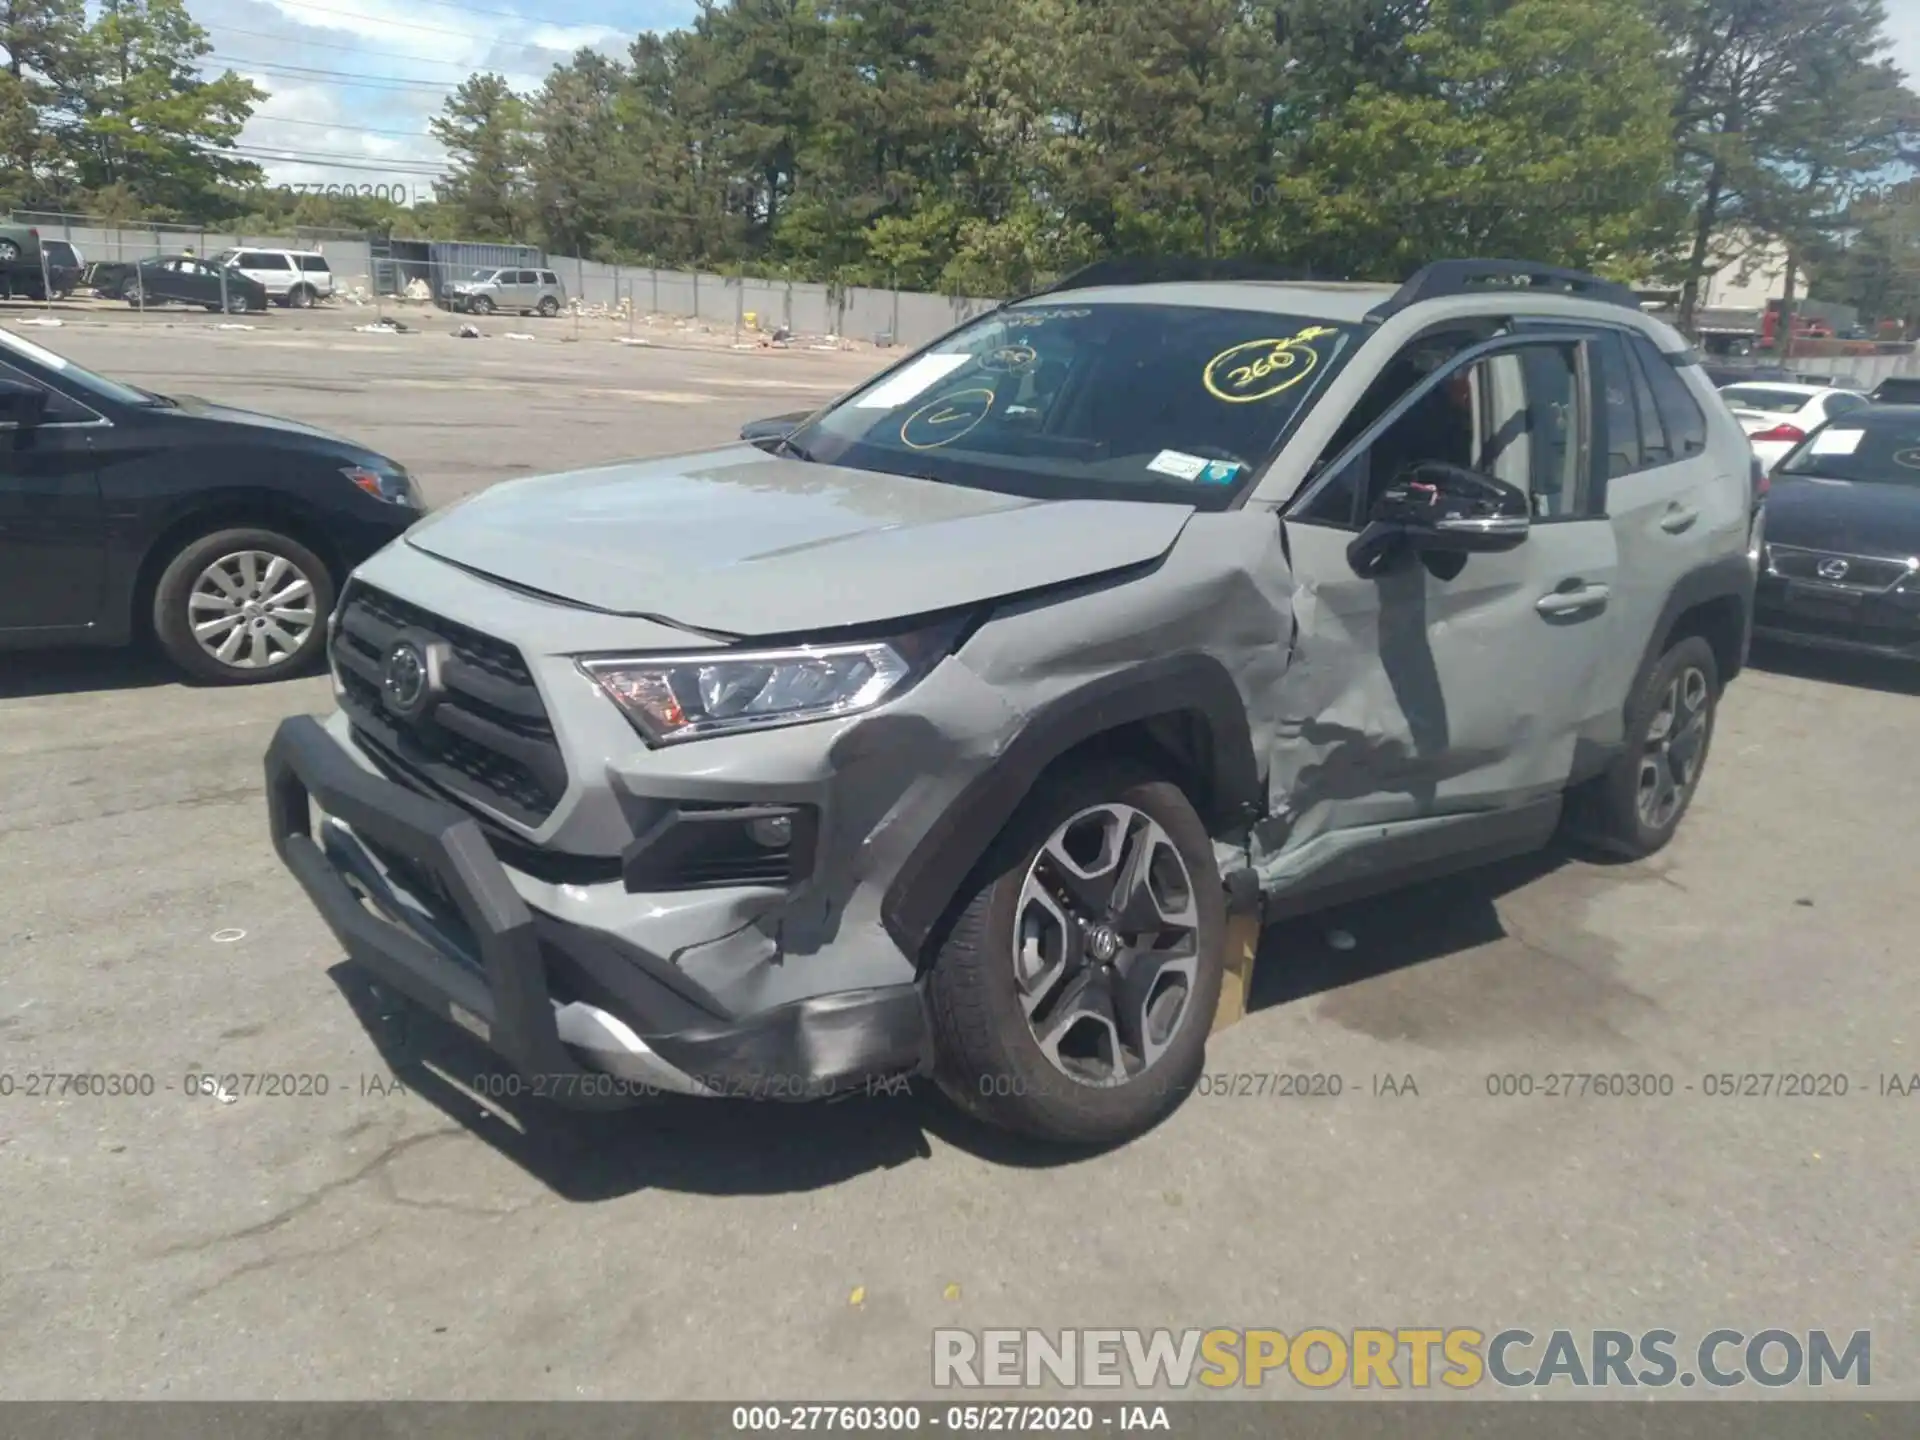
252 610
1106 945
1675 745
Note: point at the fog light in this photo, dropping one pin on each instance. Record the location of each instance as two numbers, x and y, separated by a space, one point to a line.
773 833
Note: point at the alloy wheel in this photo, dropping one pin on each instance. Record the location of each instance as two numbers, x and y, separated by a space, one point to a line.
252 610
1106 945
1676 741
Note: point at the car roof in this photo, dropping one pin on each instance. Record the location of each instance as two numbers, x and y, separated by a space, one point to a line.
1332 300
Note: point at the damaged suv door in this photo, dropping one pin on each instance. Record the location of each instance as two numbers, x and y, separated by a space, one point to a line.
1451 557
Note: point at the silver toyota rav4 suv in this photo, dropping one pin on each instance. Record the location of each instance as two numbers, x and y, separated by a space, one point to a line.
943 731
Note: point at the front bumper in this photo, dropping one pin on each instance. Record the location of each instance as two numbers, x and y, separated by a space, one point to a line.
471 950
1826 618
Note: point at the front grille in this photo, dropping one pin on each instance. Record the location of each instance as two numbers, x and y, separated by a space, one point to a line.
488 741
1865 573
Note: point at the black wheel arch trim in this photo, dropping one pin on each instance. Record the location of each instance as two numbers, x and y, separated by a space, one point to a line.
1729 578
1177 687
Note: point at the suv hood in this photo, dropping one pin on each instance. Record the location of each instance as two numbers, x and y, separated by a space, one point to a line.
744 543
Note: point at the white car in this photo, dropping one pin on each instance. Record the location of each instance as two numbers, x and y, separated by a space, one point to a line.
296 278
1778 416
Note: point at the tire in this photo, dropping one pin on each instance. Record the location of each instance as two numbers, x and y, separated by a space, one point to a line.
299 298
989 1058
480 305
131 293
549 307
213 577
1669 728
9 250
238 305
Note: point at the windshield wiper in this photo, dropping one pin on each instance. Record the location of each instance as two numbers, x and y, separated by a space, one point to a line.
786 444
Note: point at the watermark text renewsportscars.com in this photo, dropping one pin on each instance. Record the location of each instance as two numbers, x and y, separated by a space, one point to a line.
1400 1358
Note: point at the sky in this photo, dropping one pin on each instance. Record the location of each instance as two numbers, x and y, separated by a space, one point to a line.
393 62
352 83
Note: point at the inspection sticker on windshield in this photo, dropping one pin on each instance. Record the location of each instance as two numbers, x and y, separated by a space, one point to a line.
923 373
1837 442
1177 464
1220 472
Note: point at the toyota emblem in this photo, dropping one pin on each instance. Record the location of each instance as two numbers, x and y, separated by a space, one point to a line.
1834 569
404 680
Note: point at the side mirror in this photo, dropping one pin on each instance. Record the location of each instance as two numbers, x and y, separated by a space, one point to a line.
1436 509
770 432
21 405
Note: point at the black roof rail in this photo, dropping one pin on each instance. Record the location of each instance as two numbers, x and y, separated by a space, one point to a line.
1173 269
1464 277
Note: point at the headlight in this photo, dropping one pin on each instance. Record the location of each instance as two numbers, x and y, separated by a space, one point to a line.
671 698
393 485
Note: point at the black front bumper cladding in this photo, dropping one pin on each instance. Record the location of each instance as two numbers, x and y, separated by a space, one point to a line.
804 1050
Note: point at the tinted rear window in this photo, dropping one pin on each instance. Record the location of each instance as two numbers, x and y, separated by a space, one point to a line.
1680 414
317 263
1761 397
1901 392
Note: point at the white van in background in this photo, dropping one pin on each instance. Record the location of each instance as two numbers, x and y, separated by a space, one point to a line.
298 278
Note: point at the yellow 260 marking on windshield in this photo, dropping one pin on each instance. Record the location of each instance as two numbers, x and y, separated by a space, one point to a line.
1236 374
956 409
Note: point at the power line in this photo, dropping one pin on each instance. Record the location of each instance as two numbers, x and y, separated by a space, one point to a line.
335 125
401 170
343 77
289 153
350 49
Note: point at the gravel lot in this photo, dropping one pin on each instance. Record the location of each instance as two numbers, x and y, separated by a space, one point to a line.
397 1240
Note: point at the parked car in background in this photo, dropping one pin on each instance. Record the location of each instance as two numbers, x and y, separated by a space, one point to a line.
1896 390
1842 555
535 292
223 534
294 278
66 268
19 259
53 269
187 280
1778 415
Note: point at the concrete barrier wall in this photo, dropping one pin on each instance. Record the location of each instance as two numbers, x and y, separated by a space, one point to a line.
904 317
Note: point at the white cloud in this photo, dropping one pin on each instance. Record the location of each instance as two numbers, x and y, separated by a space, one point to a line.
353 83
1903 28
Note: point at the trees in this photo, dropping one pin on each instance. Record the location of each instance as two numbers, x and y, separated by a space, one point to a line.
134 113
1778 104
1533 128
484 130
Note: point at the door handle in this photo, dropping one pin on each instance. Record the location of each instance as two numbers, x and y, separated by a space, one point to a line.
1678 519
1568 602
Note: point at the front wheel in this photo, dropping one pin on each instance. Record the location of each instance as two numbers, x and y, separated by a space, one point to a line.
1634 808
1072 996
480 305
133 294
241 606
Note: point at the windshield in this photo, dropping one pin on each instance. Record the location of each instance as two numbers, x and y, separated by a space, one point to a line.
1879 450
12 346
482 275
1120 401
